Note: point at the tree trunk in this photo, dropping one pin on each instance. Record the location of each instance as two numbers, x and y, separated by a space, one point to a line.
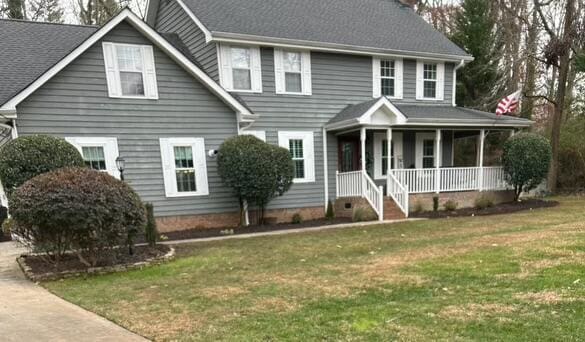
530 80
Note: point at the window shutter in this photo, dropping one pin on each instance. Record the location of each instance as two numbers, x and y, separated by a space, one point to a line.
419 80
306 65
226 67
256 69
201 166
279 87
376 77
111 65
309 151
167 158
440 81
399 68
150 86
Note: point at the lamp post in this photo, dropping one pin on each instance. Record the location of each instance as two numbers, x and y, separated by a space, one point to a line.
121 165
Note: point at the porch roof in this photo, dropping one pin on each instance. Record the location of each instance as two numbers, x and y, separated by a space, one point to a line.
427 115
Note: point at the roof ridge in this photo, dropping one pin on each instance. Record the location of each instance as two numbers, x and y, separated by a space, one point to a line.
47 23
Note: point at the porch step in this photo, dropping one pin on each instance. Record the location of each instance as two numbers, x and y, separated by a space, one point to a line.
391 210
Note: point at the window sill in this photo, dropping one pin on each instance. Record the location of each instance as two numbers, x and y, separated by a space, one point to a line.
187 194
245 91
303 181
429 99
134 97
294 94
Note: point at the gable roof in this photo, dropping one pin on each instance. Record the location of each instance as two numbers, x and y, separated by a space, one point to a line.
28 49
172 49
386 26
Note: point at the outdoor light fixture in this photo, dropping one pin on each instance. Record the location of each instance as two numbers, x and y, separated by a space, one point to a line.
121 165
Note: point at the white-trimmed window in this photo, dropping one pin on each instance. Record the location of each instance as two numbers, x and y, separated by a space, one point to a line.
388 74
381 156
258 134
430 82
130 70
292 72
184 167
240 68
98 153
425 150
301 147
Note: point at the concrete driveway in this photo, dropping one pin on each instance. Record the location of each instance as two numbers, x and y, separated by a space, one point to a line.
30 313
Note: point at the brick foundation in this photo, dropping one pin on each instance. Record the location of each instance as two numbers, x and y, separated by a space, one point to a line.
345 207
464 199
232 220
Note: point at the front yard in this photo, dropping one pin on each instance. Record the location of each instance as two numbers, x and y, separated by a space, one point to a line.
509 277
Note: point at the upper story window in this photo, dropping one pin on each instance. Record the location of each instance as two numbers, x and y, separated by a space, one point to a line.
240 68
130 70
184 167
98 153
292 72
301 147
430 80
387 77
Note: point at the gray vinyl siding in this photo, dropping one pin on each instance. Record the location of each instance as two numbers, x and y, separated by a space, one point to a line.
409 84
76 103
172 18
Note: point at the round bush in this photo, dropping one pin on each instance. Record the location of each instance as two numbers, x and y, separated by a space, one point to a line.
526 160
26 157
79 209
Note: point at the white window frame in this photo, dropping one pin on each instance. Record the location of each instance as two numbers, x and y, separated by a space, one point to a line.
440 93
113 71
225 68
279 73
258 134
110 146
420 138
308 151
398 77
398 153
167 146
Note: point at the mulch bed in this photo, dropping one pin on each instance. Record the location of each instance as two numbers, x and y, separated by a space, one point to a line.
504 208
215 232
37 268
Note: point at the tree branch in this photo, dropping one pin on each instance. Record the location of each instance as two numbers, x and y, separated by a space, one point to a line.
542 97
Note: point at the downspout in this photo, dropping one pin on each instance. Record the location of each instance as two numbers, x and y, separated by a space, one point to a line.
454 94
325 169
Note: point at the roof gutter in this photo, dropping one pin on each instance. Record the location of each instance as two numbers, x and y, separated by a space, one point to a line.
7 113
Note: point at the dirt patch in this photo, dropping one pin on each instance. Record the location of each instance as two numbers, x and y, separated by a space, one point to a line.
544 297
222 292
504 208
474 312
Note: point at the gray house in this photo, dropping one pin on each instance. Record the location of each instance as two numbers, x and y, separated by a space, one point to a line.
361 92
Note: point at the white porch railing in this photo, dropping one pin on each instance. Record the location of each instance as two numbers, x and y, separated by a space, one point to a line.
494 178
359 184
398 192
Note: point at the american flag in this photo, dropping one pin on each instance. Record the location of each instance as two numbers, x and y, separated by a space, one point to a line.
509 103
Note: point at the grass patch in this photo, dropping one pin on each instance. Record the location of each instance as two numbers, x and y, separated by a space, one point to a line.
512 277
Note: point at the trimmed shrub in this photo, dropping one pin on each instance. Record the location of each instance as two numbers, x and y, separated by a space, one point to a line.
435 203
297 218
483 201
26 157
450 205
80 209
526 160
330 213
150 230
364 214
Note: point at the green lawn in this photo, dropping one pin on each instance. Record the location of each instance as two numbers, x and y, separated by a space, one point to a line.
509 277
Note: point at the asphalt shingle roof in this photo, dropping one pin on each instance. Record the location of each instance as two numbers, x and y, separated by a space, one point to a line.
375 24
28 49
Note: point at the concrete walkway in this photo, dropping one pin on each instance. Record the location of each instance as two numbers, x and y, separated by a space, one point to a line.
30 313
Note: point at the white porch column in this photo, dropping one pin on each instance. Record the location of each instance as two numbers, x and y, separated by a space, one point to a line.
389 166
363 157
480 161
437 160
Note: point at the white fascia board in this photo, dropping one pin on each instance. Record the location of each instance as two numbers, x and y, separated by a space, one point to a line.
237 38
384 102
152 35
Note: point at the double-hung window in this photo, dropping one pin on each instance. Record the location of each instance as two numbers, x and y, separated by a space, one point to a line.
184 166
428 156
130 70
292 72
240 68
386 156
301 147
430 80
98 153
387 77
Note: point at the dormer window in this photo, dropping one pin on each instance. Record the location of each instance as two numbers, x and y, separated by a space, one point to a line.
387 77
430 80
240 68
130 71
292 72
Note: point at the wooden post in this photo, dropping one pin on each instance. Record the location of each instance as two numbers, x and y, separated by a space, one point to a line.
336 184
389 166
438 161
480 163
363 158
381 203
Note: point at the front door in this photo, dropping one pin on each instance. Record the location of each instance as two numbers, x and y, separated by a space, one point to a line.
349 155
